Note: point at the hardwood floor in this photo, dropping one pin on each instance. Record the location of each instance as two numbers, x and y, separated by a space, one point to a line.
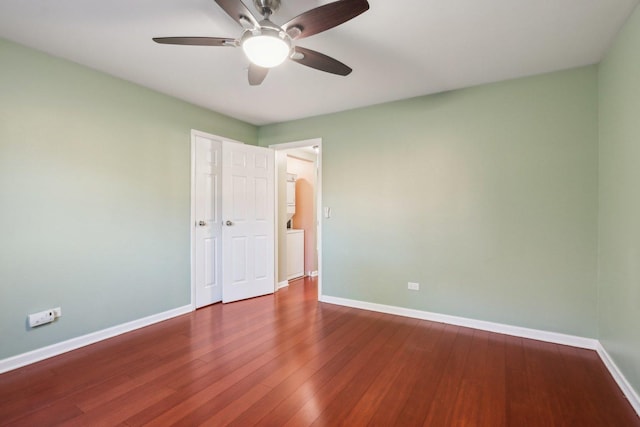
287 360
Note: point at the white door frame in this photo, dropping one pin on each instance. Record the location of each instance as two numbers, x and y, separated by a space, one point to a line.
192 228
319 215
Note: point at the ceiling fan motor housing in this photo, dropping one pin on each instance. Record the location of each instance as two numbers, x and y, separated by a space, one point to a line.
266 30
266 7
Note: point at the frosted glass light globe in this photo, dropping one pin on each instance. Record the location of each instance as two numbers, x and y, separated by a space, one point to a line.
266 51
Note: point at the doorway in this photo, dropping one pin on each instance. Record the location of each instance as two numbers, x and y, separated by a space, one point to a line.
298 163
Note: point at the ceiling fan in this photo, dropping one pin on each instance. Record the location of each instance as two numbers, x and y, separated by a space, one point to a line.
268 45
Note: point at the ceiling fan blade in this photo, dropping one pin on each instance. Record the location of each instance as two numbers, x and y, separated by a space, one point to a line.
322 18
197 41
257 74
239 12
319 61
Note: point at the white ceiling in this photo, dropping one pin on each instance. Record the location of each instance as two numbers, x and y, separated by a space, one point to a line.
398 49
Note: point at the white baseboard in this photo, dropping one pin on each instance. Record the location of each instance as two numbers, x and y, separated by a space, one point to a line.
39 354
624 385
283 284
517 331
313 273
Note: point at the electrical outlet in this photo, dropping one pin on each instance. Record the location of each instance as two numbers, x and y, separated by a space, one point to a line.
43 317
413 286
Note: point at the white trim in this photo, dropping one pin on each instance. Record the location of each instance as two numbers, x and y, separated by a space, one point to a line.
39 354
313 273
319 217
276 228
192 223
617 375
553 337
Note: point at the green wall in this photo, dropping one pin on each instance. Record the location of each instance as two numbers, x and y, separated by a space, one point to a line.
486 196
619 269
94 197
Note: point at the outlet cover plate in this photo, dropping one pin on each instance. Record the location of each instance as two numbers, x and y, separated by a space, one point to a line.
413 286
41 318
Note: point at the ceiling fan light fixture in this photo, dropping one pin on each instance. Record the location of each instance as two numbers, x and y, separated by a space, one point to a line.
267 49
268 45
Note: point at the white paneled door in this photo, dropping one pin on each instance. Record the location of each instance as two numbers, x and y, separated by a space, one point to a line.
248 204
208 224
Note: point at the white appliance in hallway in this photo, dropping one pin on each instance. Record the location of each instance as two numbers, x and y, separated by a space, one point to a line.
295 254
295 238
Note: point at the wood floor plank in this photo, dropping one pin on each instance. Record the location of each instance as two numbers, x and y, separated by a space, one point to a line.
342 404
364 409
328 354
427 335
287 359
365 327
231 411
230 368
429 373
195 393
441 409
119 409
481 397
90 398
246 380
331 387
544 375
520 402
16 384
51 415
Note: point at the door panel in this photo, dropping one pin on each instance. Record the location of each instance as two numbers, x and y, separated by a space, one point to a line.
239 192
248 215
208 229
261 256
261 197
239 254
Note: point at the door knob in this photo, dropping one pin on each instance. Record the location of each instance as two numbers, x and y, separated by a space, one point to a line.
229 223
202 223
